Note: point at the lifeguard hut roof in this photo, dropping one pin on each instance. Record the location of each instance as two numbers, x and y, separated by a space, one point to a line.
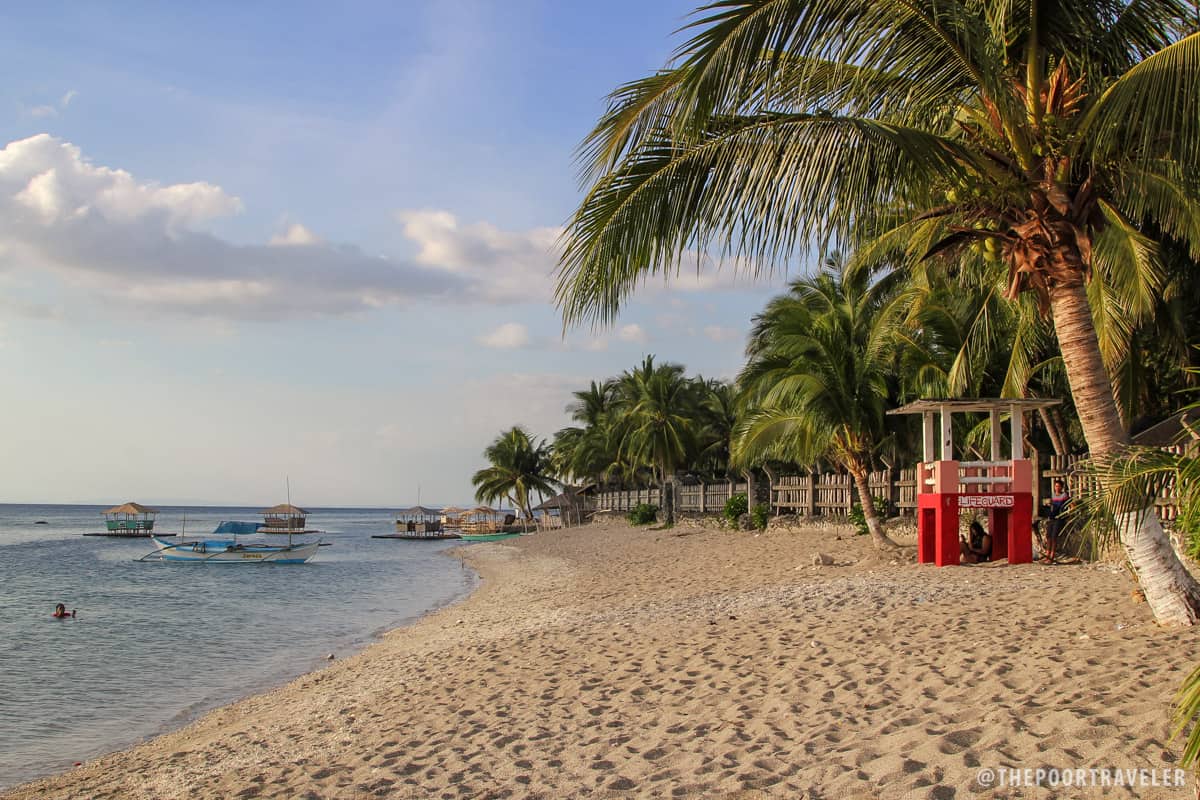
975 405
131 508
286 508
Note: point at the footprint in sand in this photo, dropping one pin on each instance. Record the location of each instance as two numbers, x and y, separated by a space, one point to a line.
958 741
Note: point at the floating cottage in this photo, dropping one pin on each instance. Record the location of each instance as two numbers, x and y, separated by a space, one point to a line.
419 519
285 518
129 519
418 523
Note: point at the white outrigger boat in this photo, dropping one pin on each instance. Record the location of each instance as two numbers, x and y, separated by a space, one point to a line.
231 551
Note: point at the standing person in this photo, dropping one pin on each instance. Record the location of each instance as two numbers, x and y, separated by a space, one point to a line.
1058 509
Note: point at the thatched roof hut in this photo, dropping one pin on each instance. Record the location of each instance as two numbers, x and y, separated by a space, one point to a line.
131 509
419 512
129 517
284 516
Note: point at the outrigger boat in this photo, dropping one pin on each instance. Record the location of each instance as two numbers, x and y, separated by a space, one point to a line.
490 537
231 551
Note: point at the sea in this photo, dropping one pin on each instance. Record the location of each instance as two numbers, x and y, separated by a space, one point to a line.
154 645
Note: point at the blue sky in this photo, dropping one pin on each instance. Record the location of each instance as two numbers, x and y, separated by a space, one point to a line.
240 242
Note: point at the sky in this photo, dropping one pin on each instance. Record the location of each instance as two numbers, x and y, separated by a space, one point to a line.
247 244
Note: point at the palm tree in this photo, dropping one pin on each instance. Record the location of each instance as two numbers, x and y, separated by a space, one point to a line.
816 377
1060 140
519 466
717 417
587 450
659 404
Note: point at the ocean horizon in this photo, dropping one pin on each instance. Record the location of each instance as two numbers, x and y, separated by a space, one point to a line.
156 645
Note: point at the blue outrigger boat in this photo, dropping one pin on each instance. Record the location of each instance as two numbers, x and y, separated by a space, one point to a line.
231 551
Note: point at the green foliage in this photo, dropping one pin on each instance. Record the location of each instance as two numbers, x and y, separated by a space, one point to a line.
642 514
735 506
759 516
518 466
859 519
647 424
1187 712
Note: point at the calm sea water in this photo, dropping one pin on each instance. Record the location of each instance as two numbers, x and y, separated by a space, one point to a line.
156 644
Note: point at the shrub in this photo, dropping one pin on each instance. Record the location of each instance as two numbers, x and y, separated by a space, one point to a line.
760 515
642 514
735 506
859 520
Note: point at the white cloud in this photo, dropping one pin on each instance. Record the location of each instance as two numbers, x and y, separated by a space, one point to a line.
67 98
41 112
296 235
632 333
718 334
509 336
499 265
107 233
120 238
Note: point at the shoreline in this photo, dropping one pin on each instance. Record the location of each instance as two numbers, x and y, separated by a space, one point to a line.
314 662
620 662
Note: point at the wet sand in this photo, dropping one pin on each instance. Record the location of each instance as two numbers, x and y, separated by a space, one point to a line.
614 662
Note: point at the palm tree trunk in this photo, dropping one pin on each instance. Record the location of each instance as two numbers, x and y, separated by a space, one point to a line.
666 496
874 524
1056 436
1171 592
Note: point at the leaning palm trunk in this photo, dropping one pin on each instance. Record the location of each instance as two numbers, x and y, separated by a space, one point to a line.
874 524
1171 592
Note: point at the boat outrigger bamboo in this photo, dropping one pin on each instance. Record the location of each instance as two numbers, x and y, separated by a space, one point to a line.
231 551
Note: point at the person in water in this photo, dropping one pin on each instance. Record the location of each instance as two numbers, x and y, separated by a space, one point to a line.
60 612
977 547
1058 510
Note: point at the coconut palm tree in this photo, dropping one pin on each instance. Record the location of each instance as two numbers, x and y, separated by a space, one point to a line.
1059 139
717 416
816 378
660 404
518 466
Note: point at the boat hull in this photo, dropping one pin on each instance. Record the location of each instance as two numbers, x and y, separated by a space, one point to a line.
220 551
487 537
417 537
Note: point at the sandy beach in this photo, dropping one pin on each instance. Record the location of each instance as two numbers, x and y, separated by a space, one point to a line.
607 661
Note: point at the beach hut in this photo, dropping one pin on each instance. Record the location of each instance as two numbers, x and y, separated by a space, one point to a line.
284 518
481 519
452 517
419 519
565 509
129 518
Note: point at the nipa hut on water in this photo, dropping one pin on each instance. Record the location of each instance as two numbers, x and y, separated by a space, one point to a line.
284 518
129 519
419 519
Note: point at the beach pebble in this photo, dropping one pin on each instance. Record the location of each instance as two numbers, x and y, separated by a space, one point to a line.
822 559
1084 636
330 657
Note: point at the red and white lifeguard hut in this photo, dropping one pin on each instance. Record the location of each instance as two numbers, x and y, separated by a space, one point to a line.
1002 487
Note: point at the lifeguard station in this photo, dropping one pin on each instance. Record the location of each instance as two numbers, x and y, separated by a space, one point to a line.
1002 487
